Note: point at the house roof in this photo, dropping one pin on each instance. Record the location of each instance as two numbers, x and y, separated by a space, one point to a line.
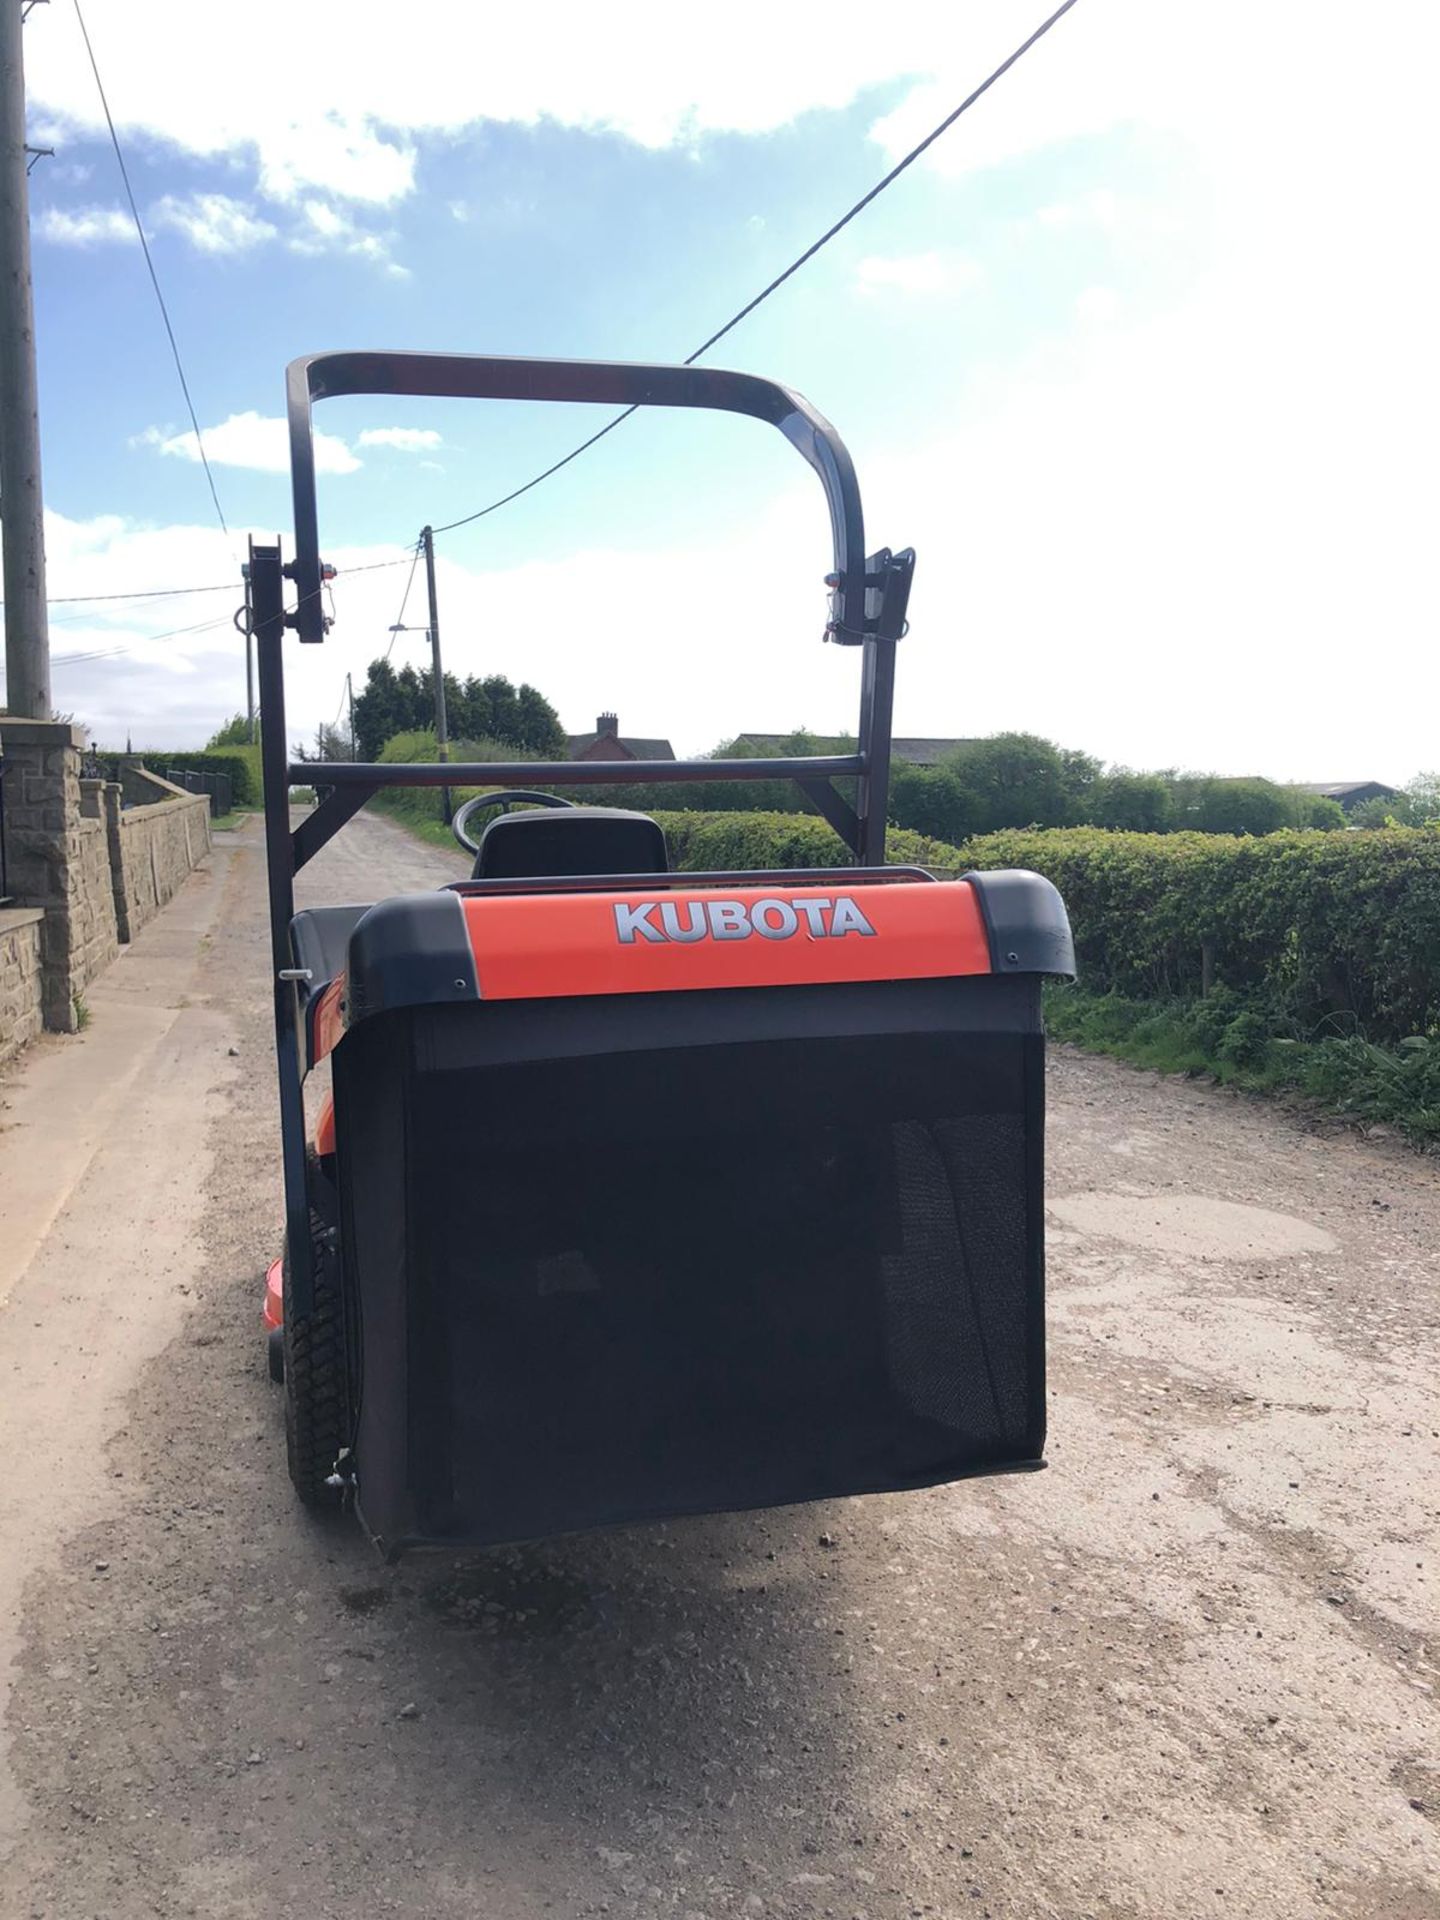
582 745
920 751
1344 789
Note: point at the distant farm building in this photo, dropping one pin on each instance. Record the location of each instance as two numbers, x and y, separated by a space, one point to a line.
1349 793
607 743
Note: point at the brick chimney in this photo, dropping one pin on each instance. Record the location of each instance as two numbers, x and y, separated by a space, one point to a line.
607 723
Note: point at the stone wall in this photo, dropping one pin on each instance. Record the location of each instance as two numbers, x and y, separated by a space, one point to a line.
21 1016
90 873
153 848
58 860
94 929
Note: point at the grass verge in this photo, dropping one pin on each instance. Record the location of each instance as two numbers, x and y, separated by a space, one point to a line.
1239 1044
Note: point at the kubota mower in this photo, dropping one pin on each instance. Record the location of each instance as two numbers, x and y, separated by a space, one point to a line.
647 1193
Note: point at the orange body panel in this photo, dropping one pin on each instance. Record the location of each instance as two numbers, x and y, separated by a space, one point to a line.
546 946
274 1296
330 1018
325 1127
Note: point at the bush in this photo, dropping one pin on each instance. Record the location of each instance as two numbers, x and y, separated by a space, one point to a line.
422 806
1329 931
734 842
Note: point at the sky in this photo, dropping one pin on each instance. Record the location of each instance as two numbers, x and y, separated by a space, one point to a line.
1140 358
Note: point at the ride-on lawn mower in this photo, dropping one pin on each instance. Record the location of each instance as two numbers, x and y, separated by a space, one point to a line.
645 1193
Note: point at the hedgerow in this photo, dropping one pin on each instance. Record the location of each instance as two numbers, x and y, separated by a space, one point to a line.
725 842
1337 932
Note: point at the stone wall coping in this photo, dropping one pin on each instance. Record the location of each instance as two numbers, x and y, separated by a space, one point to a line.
39 733
13 918
148 774
132 816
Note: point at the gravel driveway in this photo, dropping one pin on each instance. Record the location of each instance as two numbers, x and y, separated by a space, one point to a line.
1188 1671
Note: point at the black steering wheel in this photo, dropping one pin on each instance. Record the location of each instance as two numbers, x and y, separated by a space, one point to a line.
506 798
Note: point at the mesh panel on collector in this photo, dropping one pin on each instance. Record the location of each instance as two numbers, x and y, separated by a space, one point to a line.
690 1266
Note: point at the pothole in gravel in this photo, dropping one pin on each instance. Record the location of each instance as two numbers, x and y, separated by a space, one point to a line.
1192 1224
518 1596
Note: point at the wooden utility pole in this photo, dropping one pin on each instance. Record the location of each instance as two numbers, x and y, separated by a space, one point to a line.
27 630
442 732
350 696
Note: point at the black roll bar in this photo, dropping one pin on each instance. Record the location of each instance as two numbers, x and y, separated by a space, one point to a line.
868 597
453 376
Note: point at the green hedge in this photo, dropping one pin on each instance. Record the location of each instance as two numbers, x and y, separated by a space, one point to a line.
720 842
421 806
1337 930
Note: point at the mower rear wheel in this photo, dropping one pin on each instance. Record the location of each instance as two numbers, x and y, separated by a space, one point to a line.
317 1397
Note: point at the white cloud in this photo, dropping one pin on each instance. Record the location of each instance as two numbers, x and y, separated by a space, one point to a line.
212 222
338 154
253 441
325 228
1102 208
402 439
1097 306
646 82
916 273
85 226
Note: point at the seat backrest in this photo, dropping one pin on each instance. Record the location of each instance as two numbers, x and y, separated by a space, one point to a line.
550 842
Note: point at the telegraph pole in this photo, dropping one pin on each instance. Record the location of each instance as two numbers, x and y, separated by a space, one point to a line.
442 735
350 696
27 630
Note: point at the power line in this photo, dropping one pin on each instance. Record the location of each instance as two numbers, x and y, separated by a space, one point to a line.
112 653
794 267
170 593
404 602
154 277
151 593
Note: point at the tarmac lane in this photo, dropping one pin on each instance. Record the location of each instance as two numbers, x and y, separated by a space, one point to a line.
1189 1670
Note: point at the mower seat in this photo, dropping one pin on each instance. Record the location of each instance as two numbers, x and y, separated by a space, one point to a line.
555 841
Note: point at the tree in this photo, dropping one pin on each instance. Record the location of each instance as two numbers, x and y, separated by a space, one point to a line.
520 718
1134 802
538 725
234 733
1316 810
1415 805
1079 773
932 800
380 709
1018 780
1240 806
331 743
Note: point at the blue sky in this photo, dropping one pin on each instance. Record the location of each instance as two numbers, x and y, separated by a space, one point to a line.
1138 359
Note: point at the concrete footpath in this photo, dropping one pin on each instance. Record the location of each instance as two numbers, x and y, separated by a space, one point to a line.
104 1144
1187 1673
